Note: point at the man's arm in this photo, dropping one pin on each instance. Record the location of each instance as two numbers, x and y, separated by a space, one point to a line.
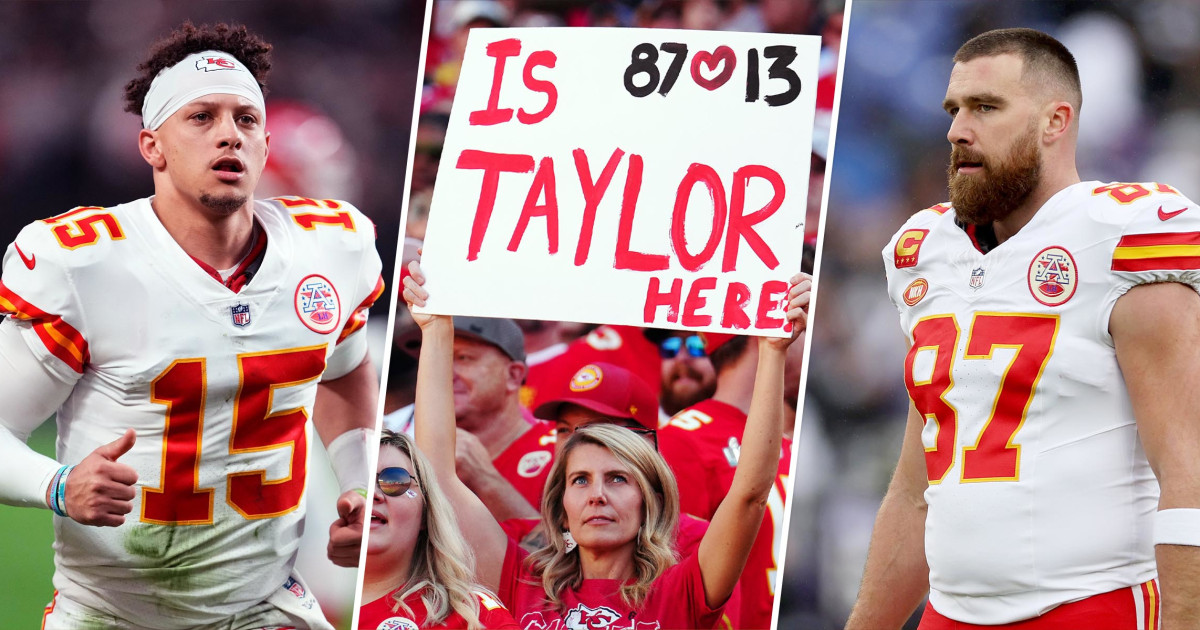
1156 332
344 416
896 578
476 470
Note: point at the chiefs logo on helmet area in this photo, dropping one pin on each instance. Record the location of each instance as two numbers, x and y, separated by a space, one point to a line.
1052 276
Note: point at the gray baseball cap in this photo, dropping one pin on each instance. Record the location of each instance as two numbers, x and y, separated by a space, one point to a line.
499 332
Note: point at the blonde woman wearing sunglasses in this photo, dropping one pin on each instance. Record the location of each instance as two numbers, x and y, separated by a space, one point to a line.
419 569
617 500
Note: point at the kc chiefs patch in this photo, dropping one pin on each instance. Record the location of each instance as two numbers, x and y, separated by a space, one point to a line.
533 463
210 63
398 623
908 247
1052 276
588 377
317 304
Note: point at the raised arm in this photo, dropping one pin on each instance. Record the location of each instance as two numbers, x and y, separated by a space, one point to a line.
435 433
896 577
1156 332
726 545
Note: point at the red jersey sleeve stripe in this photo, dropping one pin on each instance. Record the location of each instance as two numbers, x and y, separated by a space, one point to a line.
59 337
1162 238
359 318
1157 252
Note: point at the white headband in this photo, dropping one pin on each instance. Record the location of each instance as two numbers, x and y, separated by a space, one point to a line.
200 74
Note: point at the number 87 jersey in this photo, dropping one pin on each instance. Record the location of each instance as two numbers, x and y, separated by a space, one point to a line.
218 385
1039 491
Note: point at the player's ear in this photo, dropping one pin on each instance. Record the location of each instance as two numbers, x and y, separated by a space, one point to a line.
1059 117
151 149
267 144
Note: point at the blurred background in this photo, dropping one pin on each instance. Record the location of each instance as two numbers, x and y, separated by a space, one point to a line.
1139 122
339 110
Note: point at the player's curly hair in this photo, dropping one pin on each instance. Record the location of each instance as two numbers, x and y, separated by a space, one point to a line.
442 563
654 551
248 48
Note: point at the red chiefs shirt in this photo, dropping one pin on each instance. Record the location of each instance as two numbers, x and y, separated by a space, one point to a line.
386 614
702 444
625 346
676 600
526 462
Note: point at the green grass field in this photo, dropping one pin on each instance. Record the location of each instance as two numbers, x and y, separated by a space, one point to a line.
25 538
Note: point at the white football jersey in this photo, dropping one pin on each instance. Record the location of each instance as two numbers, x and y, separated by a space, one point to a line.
218 386
1039 493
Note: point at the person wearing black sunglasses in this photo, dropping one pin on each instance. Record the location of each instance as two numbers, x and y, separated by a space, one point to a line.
616 498
419 569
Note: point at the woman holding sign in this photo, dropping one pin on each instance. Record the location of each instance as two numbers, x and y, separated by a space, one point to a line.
615 500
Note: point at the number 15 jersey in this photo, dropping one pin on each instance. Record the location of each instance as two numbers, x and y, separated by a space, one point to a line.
217 384
1039 491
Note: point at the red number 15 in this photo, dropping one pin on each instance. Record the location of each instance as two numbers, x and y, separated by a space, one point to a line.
182 387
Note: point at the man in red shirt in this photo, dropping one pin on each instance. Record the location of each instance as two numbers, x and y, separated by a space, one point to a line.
701 443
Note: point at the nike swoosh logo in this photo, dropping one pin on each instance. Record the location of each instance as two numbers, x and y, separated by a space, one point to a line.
29 262
1163 216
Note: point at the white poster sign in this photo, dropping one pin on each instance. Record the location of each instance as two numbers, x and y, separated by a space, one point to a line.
625 176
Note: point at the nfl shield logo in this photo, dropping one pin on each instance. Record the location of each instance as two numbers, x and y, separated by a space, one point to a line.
241 314
294 587
976 278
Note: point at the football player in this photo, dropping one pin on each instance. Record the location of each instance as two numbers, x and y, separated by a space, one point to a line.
185 340
1054 352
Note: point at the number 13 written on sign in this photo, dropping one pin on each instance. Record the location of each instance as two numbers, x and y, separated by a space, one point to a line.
720 63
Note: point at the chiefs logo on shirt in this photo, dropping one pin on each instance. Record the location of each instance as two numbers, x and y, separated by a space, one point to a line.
586 618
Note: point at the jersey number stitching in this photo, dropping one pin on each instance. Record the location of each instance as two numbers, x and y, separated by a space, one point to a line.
993 457
182 387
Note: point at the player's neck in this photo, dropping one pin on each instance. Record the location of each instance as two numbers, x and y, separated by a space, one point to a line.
1053 182
381 576
220 241
607 564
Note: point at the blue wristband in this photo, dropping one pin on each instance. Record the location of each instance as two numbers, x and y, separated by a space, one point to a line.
57 496
61 492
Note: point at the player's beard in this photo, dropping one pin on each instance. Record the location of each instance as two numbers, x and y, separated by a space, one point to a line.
1001 187
224 205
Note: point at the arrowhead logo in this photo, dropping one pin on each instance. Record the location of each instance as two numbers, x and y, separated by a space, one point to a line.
29 262
1163 216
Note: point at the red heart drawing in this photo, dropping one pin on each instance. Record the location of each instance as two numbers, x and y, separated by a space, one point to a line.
722 56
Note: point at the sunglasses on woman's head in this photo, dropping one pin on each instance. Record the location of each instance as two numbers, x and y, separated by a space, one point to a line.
394 481
671 346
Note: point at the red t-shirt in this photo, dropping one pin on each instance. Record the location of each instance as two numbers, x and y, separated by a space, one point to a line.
625 346
526 462
702 444
676 600
385 614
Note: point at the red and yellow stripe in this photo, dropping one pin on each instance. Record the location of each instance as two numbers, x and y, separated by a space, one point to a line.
60 338
359 318
1150 601
1157 252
